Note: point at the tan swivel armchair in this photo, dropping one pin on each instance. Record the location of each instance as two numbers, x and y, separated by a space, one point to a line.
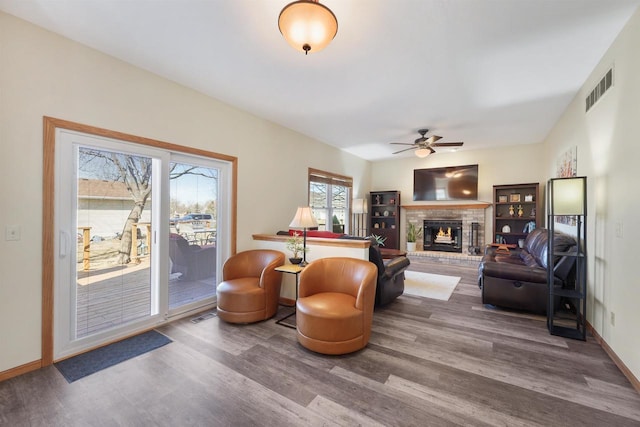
335 305
250 289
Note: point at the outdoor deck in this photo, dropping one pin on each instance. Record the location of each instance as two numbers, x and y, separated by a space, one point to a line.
115 295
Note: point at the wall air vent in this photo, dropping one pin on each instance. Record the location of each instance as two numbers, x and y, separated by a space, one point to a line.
605 83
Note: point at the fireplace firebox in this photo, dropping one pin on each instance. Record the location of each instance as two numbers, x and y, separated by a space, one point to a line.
443 235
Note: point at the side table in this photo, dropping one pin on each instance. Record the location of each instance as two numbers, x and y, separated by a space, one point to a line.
290 269
391 253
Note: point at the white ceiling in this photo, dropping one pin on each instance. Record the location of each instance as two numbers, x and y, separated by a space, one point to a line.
486 72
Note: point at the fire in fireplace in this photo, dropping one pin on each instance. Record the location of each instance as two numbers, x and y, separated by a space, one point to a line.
443 235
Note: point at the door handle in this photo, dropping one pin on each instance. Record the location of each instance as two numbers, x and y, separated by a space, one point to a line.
63 249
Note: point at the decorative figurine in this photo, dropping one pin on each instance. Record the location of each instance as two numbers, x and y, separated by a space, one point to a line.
520 211
511 211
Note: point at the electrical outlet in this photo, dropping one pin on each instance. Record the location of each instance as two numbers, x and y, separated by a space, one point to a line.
12 232
613 319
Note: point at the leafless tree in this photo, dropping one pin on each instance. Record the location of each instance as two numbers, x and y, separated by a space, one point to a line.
135 172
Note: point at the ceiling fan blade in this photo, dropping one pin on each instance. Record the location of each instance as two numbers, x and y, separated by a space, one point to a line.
432 139
447 144
406 149
400 143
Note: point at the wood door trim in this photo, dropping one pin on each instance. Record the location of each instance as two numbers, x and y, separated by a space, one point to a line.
50 125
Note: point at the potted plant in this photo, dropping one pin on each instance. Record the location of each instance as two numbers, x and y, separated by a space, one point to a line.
294 244
413 233
379 239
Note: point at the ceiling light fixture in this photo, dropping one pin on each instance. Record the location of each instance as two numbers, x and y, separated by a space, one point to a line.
422 152
307 25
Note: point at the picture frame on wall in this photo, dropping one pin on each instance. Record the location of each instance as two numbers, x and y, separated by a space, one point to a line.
514 198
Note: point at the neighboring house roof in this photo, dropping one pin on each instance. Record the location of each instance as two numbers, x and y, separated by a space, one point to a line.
101 189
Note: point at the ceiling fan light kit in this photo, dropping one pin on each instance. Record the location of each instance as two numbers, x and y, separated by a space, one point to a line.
424 146
422 152
307 25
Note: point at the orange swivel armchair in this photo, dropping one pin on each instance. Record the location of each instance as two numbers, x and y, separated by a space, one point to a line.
334 310
250 289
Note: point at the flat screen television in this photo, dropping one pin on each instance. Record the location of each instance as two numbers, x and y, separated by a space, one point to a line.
448 183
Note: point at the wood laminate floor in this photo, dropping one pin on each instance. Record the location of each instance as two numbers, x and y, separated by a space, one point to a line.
429 363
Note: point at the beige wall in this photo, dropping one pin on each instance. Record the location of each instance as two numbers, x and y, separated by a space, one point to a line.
44 74
609 154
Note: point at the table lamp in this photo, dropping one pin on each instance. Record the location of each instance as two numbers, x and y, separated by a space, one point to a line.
304 219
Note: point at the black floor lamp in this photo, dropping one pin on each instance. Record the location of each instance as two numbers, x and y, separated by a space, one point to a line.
304 219
567 305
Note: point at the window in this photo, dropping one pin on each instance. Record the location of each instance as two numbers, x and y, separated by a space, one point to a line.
330 200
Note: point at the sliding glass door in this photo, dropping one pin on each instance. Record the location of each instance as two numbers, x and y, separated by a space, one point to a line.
113 267
140 234
193 230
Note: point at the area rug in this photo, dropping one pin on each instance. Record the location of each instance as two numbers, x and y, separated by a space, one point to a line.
428 285
80 366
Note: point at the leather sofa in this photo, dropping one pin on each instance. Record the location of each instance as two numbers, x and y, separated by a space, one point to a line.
334 311
517 279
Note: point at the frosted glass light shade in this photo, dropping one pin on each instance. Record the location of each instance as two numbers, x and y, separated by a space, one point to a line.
307 25
422 152
569 196
304 218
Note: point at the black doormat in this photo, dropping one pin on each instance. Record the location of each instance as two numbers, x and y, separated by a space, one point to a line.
96 360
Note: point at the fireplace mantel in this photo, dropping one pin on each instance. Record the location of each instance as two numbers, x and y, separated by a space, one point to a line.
480 205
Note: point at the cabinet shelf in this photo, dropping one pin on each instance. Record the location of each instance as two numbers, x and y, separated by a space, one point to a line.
515 203
529 218
568 293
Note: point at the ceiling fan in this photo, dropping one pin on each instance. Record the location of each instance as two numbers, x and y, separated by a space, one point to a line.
424 145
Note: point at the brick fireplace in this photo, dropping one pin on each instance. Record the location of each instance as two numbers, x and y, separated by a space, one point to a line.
454 216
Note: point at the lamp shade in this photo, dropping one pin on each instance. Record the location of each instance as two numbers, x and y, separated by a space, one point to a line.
307 25
422 152
569 196
304 218
359 206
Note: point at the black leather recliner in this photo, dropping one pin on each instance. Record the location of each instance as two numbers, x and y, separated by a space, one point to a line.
390 281
518 279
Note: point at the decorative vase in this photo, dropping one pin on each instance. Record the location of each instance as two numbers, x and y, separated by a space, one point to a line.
295 260
411 246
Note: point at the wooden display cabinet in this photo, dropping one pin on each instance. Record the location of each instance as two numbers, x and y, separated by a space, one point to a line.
516 212
384 217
